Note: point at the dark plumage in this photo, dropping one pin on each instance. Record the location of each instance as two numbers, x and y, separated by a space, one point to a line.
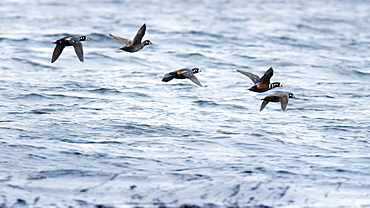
69 41
277 97
261 84
135 44
184 73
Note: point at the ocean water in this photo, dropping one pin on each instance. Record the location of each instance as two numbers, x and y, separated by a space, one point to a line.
109 133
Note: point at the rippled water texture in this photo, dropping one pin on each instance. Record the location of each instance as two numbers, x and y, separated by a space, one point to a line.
109 133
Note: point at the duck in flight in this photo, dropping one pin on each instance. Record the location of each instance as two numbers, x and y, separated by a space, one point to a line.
184 73
74 41
135 44
277 97
261 84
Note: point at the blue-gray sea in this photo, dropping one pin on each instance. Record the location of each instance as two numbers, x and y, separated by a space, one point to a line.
109 133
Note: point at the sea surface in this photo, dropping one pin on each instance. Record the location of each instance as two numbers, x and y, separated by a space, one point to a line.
109 133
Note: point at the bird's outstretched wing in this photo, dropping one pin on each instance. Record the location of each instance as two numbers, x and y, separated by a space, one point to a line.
284 102
79 51
265 79
195 80
255 78
122 40
263 105
57 51
139 35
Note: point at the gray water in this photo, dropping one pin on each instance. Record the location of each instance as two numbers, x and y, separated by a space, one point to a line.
109 133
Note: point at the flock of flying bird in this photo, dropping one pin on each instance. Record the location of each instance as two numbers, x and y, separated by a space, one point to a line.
260 84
